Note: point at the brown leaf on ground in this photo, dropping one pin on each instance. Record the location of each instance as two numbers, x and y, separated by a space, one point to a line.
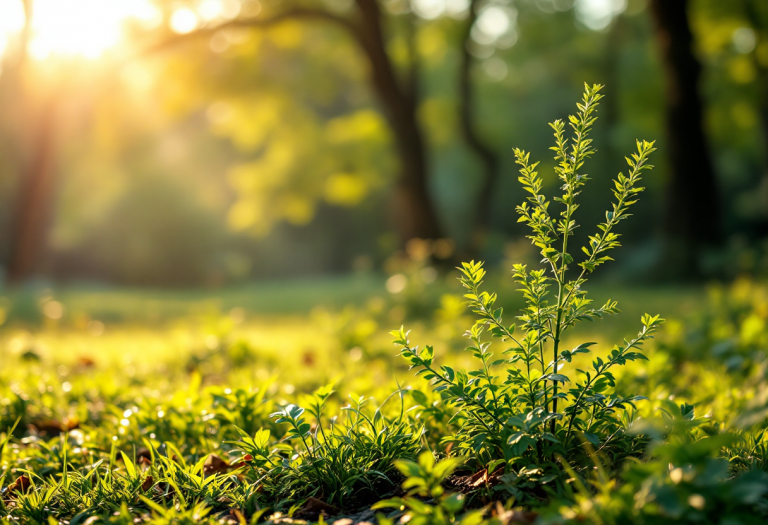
149 481
236 516
308 358
45 428
21 485
53 427
164 489
313 508
215 465
479 479
85 362
143 457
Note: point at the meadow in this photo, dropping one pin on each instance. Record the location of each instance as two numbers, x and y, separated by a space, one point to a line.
176 406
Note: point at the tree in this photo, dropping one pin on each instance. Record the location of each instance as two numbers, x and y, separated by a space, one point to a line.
487 156
693 211
757 19
397 93
35 144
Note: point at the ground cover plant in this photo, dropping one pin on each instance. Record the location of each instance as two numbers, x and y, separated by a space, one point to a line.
542 420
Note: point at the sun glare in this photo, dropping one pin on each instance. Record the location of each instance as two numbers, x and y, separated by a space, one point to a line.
88 28
85 28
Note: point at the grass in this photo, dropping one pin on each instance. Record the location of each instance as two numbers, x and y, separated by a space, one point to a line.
288 399
143 405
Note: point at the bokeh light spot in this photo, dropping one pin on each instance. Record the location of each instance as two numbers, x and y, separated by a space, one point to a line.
184 21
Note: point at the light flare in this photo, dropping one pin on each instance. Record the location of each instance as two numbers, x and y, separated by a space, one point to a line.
74 28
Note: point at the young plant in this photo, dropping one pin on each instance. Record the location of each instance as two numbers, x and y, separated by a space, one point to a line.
527 404
343 461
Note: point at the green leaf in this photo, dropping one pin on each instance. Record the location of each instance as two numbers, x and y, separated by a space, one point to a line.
407 468
130 468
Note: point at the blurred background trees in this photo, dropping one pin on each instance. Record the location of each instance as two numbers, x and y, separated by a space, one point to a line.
202 142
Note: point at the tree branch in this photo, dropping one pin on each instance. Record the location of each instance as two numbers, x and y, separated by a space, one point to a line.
297 13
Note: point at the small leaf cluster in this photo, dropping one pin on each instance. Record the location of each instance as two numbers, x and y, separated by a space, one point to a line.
426 501
342 460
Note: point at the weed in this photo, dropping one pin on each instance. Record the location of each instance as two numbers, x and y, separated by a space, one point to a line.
346 461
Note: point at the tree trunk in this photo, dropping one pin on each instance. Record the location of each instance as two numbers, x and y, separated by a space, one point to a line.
32 214
760 26
692 219
36 144
415 215
488 158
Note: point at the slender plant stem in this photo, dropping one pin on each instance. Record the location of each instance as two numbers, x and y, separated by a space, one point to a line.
470 400
555 347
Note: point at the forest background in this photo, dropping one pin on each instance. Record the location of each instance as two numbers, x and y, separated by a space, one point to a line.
206 144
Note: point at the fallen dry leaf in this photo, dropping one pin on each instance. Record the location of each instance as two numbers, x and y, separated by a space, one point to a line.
53 427
313 508
480 478
85 362
215 465
149 481
21 485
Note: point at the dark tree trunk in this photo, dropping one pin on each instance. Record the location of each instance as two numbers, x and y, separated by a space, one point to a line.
487 156
36 145
415 215
759 24
32 212
692 219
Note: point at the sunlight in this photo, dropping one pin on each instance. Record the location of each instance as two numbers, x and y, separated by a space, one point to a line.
598 14
11 21
83 28
184 20
88 28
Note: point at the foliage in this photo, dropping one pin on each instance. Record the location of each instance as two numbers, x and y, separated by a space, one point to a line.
730 331
525 412
685 481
